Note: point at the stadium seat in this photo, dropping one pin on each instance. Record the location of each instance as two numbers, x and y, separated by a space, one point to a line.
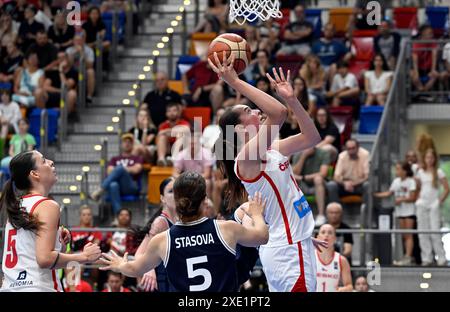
405 18
155 176
343 118
362 48
369 119
200 43
437 18
351 199
289 62
133 197
176 85
204 113
340 17
5 86
184 63
35 124
283 22
365 33
315 17
108 19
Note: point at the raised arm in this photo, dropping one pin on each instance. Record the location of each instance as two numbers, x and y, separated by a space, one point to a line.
309 135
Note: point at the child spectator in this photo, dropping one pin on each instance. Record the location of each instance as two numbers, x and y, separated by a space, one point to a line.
345 87
361 284
144 133
428 208
377 81
404 189
9 114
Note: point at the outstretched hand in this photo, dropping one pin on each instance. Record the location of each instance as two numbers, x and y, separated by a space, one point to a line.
319 244
225 69
112 261
281 84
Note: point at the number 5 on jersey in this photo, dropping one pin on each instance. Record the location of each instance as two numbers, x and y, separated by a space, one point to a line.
190 262
11 253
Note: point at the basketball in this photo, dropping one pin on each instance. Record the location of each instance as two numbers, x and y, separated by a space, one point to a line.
231 43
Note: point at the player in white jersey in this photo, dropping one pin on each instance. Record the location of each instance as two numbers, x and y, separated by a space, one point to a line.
333 269
261 164
34 241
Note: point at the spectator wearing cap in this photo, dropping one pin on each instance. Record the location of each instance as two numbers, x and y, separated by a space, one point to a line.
124 172
29 28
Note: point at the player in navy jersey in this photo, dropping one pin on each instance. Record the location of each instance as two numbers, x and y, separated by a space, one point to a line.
198 253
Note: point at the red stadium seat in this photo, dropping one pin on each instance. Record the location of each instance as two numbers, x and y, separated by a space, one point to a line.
343 118
289 62
362 48
365 33
204 113
339 17
405 18
283 22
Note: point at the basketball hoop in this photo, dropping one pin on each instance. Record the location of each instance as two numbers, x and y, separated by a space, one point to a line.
249 10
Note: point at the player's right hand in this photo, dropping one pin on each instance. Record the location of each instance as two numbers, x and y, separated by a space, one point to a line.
91 252
112 261
256 205
225 69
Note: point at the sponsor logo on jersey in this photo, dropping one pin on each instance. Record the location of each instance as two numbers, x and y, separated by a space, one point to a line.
22 276
284 166
21 280
302 207
335 265
192 241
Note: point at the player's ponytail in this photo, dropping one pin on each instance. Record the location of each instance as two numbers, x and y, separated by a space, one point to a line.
226 152
189 191
20 168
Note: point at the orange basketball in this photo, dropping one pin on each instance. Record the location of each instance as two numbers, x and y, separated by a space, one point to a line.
231 43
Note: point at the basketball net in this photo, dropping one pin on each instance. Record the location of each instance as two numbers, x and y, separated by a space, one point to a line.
249 10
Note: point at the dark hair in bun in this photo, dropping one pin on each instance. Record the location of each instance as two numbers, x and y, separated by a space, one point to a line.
189 192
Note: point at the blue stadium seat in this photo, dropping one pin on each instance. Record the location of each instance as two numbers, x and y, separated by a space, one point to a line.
370 117
107 19
315 17
438 19
5 86
184 63
130 198
35 124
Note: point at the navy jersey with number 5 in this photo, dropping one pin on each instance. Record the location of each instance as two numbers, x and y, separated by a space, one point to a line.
199 259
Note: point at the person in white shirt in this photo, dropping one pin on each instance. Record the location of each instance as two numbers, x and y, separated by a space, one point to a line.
377 81
428 208
404 189
345 87
9 113
445 74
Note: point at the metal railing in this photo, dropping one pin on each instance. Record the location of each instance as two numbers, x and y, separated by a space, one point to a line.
98 62
84 188
82 83
43 132
137 94
388 146
62 127
128 22
121 128
114 39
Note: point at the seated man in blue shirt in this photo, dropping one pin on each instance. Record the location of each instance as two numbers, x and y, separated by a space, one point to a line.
330 51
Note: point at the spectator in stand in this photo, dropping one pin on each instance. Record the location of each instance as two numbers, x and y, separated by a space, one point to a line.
377 81
330 51
307 99
445 74
156 101
168 133
344 242
361 284
29 28
345 87
9 114
428 205
124 173
215 18
298 35
260 67
80 239
20 142
269 31
412 160
144 133
351 173
7 32
359 20
404 189
290 126
10 62
310 171
44 14
315 78
93 28
115 283
29 82
206 90
66 76
118 239
387 43
47 53
212 132
253 40
424 143
75 52
60 33
16 9
195 157
424 60
331 139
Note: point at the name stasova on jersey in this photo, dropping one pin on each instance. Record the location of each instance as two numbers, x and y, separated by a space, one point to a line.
199 259
20 268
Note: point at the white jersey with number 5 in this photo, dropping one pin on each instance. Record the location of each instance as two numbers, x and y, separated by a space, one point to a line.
20 268
328 274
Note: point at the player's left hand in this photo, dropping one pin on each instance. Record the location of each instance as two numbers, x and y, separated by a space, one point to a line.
319 244
112 261
66 236
281 84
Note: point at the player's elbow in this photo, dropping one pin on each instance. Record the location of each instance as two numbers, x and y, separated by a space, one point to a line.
283 113
44 261
264 236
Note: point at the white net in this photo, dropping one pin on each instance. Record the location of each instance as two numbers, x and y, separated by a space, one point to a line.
242 11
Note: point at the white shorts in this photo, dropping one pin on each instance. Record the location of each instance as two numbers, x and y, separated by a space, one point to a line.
290 268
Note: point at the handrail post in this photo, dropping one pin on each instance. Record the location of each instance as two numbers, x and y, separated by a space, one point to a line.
121 128
82 83
86 187
103 158
114 39
197 12
155 64
184 33
62 131
128 22
138 94
170 58
98 63
44 131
